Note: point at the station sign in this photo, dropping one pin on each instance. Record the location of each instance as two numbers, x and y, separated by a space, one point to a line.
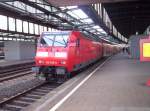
145 49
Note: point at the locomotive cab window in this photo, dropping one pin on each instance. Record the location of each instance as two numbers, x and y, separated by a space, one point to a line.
54 39
60 40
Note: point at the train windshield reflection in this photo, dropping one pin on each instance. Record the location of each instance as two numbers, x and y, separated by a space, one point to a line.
54 40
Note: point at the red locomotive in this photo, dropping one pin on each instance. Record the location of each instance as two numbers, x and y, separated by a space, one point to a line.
60 53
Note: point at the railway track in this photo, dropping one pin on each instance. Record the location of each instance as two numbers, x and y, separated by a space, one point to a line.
15 75
26 98
21 100
15 71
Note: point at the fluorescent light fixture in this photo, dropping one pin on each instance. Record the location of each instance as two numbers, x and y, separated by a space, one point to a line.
87 20
72 14
103 32
100 30
93 31
63 8
87 28
96 27
80 13
77 13
71 7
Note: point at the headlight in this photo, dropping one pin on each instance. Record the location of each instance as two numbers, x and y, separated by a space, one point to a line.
42 54
41 62
63 62
61 54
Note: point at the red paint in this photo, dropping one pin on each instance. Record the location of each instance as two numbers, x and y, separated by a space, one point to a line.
87 51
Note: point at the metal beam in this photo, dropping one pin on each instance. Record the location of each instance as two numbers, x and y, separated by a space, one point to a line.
97 20
130 18
62 20
7 0
82 2
33 4
15 32
131 13
11 12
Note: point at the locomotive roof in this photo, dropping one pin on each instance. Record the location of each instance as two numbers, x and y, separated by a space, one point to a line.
68 32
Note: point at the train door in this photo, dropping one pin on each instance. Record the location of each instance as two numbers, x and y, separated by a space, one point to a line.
77 56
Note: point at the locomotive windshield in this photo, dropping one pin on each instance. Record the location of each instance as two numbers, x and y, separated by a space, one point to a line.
57 39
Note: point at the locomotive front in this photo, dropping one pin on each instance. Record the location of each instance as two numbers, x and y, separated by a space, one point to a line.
51 55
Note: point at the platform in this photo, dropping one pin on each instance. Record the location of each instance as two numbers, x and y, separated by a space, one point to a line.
119 85
8 63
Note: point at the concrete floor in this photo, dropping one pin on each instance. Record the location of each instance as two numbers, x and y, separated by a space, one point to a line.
118 86
4 63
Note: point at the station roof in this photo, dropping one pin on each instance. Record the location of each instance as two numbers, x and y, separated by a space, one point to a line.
82 2
129 17
44 14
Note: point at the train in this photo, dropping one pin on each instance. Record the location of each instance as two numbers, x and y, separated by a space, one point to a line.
59 54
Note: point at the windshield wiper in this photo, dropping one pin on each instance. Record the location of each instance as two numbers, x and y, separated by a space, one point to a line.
65 43
51 40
